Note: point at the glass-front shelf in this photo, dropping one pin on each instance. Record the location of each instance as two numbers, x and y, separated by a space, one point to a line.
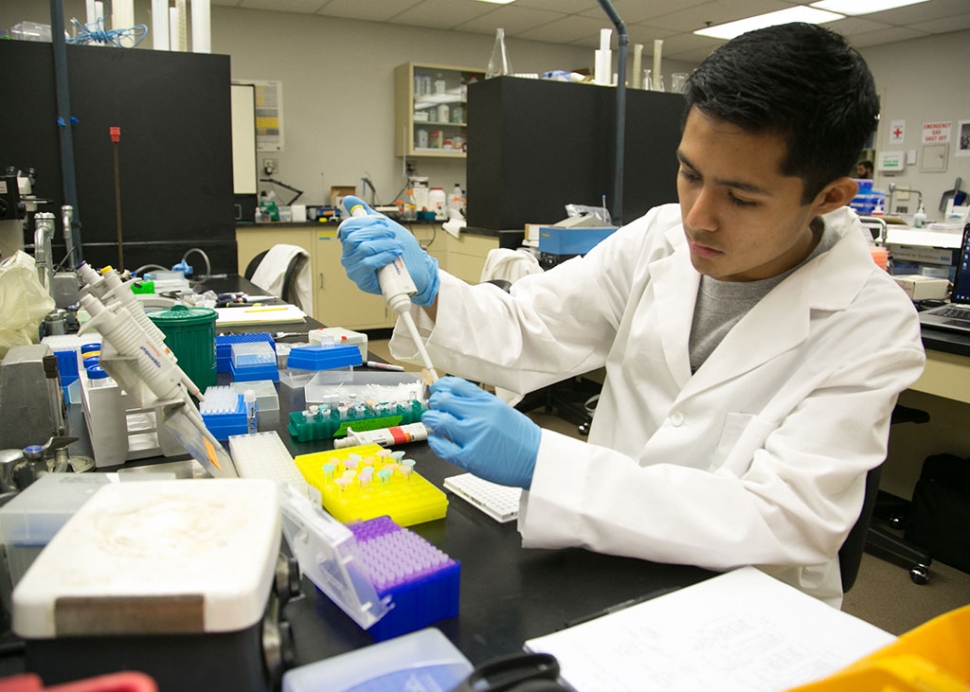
431 110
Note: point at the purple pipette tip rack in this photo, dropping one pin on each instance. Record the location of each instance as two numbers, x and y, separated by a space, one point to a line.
422 581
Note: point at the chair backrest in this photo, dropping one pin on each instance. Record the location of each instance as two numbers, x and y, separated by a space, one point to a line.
269 276
289 278
253 263
850 554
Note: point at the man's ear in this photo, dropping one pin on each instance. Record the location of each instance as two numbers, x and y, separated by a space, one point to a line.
836 194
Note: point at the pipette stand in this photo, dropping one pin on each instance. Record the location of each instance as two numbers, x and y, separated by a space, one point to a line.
144 369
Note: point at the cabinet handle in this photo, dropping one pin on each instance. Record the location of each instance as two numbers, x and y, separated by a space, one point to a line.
321 279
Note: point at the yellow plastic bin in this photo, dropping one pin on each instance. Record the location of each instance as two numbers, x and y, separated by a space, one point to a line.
190 333
934 657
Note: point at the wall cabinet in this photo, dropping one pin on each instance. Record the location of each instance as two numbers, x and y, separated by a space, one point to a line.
430 109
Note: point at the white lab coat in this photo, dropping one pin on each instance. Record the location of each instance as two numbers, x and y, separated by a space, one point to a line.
757 459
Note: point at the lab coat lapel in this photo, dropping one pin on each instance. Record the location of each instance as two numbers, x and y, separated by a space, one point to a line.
782 319
675 283
776 324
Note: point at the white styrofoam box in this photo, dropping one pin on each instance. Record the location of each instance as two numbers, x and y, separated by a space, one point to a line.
340 336
919 287
214 538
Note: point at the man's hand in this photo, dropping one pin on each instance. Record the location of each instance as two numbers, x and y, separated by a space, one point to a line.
481 433
372 242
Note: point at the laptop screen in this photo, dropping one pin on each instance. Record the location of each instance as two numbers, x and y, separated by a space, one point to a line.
961 291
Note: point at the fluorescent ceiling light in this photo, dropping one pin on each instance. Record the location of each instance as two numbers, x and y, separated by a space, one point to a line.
799 13
854 7
498 2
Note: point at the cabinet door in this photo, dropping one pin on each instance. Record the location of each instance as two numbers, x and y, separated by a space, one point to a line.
252 240
337 301
435 241
467 254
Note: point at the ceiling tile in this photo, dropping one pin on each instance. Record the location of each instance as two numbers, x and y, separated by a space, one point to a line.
874 38
513 19
306 6
370 11
943 26
443 14
681 43
633 11
567 30
851 26
717 12
562 6
923 12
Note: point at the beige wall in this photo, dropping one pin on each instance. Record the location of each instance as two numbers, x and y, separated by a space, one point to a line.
923 80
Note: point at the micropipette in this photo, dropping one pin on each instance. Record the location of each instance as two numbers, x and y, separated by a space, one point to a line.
398 287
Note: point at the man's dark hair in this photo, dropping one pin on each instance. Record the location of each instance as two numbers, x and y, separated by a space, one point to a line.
801 81
867 165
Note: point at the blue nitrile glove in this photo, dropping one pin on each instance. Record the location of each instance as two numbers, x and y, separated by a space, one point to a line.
481 433
374 241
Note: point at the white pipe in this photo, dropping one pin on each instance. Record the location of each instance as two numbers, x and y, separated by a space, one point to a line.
637 64
658 78
201 27
173 28
122 14
183 34
160 20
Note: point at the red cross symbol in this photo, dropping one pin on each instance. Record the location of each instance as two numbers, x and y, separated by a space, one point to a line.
898 132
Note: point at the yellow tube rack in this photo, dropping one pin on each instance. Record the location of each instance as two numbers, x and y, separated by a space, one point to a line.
393 489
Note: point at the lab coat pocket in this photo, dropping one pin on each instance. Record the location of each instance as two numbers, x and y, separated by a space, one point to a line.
742 436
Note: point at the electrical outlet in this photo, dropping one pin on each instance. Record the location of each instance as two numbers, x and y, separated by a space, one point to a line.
271 166
902 193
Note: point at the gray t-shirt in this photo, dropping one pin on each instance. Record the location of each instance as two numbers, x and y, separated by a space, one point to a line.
722 304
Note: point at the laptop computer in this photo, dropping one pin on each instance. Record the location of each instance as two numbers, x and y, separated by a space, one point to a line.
956 315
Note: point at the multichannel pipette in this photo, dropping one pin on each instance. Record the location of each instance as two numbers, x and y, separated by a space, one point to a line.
398 287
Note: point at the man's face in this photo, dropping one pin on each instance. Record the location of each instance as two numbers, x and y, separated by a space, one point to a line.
743 219
861 171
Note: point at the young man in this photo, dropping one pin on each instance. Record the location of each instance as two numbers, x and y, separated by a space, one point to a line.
863 170
753 349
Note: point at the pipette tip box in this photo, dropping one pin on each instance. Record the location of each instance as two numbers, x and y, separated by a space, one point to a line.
253 361
421 580
423 660
389 488
323 357
223 412
224 346
339 335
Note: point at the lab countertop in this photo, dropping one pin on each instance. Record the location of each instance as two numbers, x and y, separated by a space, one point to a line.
507 239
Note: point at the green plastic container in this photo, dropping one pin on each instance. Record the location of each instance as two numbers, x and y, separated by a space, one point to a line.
191 335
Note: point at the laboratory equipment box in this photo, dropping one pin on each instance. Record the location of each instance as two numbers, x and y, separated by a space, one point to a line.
919 287
29 521
554 240
170 578
423 660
